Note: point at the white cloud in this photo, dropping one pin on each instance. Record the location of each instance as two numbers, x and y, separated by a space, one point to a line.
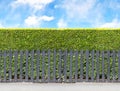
61 23
32 21
78 8
91 12
114 24
35 4
1 26
46 18
82 11
36 21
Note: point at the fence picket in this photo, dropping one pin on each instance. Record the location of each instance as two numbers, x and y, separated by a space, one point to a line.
48 65
76 66
113 65
71 58
60 64
26 71
54 66
103 76
92 76
81 65
10 65
0 64
97 67
32 65
16 59
21 65
65 65
43 66
87 64
4 65
108 70
38 65
119 65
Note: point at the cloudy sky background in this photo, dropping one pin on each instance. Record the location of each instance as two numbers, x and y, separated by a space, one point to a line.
59 13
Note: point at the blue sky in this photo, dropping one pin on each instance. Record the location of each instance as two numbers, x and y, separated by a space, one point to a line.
59 13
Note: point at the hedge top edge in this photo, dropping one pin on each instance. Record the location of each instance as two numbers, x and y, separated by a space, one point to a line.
59 29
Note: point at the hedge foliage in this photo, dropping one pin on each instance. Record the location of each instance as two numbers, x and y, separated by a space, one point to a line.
17 39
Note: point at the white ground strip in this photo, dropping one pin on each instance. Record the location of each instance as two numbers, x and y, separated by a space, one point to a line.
59 87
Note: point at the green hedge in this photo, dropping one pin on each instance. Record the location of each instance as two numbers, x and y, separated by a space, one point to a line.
60 39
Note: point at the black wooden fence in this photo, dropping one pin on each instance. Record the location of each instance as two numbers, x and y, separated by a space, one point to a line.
59 66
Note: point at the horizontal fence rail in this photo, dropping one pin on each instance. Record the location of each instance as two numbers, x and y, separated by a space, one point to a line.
59 66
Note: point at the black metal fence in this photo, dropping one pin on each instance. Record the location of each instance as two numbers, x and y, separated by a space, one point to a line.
59 66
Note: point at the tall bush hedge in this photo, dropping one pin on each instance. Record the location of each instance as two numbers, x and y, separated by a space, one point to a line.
76 39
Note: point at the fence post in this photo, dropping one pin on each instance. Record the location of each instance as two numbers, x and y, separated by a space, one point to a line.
60 62
32 65
26 73
92 76
71 58
54 65
81 65
97 67
113 64
43 66
16 59
10 67
76 66
4 65
103 76
21 64
87 64
108 70
119 65
0 63
65 65
48 65
38 65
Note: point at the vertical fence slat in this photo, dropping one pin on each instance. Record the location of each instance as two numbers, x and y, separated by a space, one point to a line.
60 64
43 66
76 66
54 66
103 76
10 65
92 76
113 65
48 65
108 70
26 72
0 64
65 65
97 65
87 64
38 65
71 58
81 65
21 65
16 59
5 65
32 65
119 65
